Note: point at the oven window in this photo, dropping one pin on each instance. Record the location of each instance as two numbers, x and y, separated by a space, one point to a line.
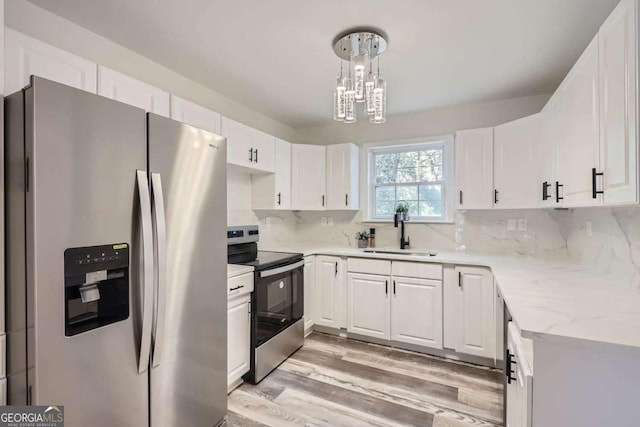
279 302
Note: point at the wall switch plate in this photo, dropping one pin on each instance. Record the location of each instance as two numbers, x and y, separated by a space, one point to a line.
330 221
589 228
323 221
522 225
511 225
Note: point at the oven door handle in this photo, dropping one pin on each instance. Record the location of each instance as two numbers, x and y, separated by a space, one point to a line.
280 270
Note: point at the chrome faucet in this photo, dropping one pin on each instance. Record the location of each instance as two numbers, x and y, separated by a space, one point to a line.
401 218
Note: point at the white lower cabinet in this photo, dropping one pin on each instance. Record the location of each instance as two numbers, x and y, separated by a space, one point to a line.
369 308
519 381
309 293
474 305
238 339
416 311
330 304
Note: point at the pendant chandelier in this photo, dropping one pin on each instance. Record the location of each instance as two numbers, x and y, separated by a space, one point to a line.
359 84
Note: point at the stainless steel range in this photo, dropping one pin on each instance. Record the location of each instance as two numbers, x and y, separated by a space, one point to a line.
277 326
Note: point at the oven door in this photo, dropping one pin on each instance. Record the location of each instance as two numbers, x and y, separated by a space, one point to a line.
279 300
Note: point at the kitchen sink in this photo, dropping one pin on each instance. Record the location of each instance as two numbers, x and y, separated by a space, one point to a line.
399 252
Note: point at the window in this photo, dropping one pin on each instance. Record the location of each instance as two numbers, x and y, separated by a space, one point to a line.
417 174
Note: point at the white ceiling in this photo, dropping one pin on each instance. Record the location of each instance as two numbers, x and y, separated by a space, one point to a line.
276 55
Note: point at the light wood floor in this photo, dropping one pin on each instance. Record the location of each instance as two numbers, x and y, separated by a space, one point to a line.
334 381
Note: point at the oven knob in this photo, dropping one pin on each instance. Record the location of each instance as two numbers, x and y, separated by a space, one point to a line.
281 285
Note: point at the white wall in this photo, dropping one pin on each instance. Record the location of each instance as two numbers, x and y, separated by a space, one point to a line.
434 122
46 26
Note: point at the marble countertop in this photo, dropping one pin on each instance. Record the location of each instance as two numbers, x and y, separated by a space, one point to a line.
548 300
236 270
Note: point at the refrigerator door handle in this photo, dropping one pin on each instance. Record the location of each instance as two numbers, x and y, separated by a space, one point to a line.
160 226
147 270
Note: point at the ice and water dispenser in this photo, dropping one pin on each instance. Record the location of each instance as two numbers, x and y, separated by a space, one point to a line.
96 287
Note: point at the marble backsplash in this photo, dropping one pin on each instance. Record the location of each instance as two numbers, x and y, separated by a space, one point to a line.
612 244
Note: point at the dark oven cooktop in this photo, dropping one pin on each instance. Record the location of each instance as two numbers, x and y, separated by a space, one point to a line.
265 260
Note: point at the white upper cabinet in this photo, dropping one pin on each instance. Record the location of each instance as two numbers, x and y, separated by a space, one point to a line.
273 191
308 177
515 160
195 115
551 188
25 56
618 101
343 177
580 143
128 90
248 148
474 168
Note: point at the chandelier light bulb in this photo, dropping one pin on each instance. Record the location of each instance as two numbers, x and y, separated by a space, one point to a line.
359 66
369 85
379 102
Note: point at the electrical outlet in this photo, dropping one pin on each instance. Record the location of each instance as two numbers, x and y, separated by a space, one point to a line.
589 228
522 225
511 225
330 221
323 221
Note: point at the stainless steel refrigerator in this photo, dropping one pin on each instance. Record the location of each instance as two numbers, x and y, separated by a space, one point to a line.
115 261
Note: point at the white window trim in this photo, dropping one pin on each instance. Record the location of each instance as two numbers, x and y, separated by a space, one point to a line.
446 141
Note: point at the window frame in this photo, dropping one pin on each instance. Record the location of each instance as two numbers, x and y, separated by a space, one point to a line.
420 144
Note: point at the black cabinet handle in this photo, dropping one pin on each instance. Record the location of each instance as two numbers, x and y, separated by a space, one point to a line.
323 200
594 188
509 363
459 279
346 200
336 268
545 191
460 197
558 187
495 197
394 287
386 287
256 155
279 199
251 154
236 288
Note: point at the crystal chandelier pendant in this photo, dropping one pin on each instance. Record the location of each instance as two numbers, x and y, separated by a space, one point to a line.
369 85
339 100
359 67
350 103
379 102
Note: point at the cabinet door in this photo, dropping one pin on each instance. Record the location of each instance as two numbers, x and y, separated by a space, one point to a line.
264 151
580 144
330 309
516 152
25 56
550 140
128 90
194 115
342 176
309 293
514 401
238 339
618 138
474 168
368 303
475 309
308 177
416 311
273 191
239 149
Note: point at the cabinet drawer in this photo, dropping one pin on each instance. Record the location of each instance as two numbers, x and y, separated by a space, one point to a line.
242 284
421 270
369 266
